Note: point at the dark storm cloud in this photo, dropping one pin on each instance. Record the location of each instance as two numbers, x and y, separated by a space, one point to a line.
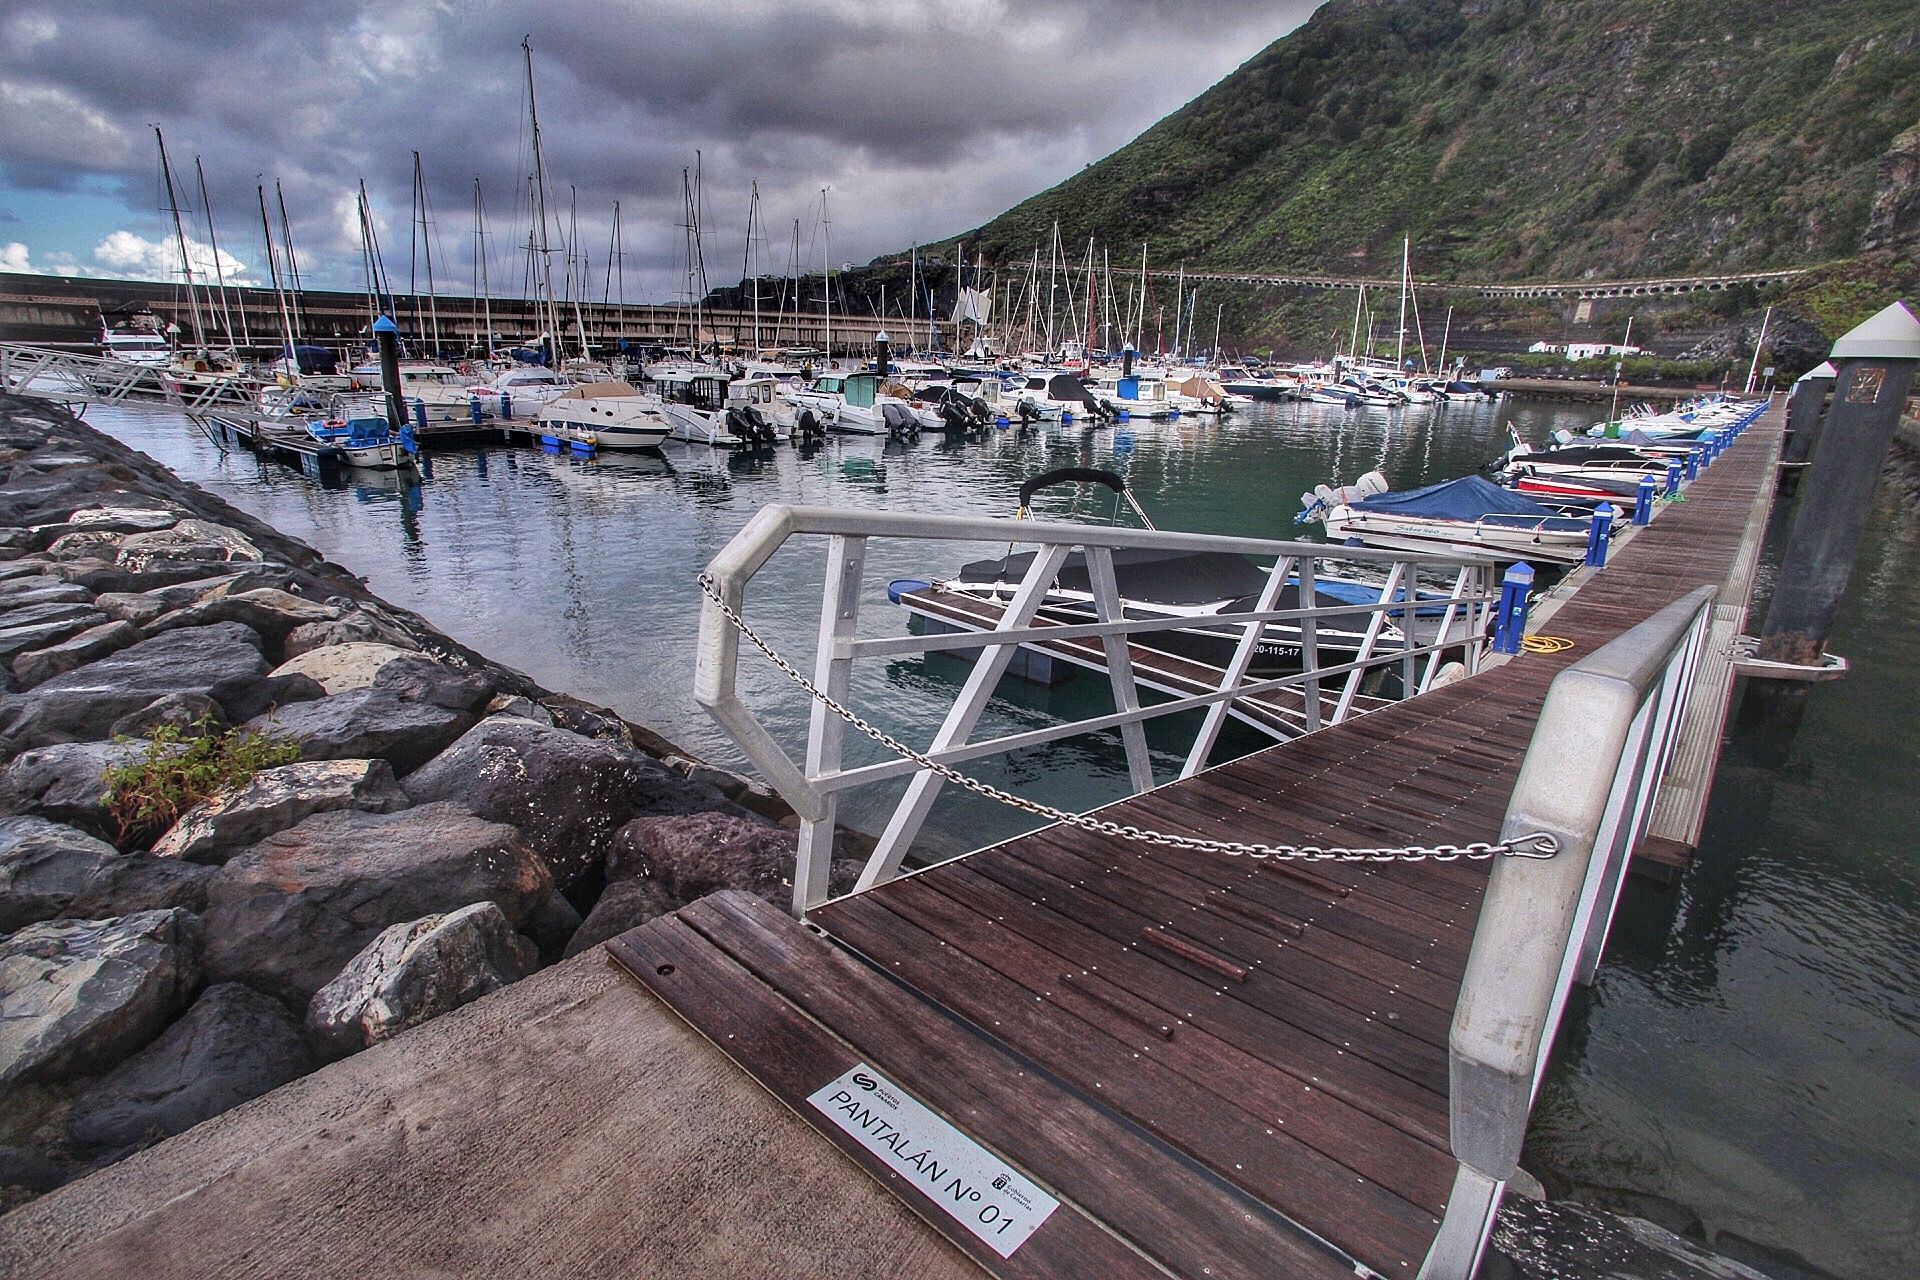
923 118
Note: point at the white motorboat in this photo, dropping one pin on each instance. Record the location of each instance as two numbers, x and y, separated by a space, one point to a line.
529 385
439 388
1471 515
1140 395
605 415
706 407
364 439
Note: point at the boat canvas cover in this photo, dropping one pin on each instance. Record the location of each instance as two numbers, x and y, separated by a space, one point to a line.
1164 577
1064 386
602 390
1468 498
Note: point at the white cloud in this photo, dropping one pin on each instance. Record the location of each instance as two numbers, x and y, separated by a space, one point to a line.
13 257
136 256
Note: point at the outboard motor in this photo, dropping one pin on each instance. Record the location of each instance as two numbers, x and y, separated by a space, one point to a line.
741 426
807 426
901 424
1028 411
957 415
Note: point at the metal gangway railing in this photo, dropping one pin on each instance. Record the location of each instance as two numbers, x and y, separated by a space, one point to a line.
71 378
1601 745
1461 592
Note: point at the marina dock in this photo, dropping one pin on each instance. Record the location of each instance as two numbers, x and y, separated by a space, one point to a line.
1208 1065
1216 1066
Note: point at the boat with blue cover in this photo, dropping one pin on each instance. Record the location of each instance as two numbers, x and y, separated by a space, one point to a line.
1470 514
366 440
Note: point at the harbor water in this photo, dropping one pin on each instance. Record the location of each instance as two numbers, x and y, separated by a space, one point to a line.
1748 1065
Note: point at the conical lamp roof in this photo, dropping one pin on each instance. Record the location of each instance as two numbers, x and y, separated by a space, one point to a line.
1893 334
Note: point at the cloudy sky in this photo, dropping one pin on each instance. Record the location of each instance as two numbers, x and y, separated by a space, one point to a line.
924 117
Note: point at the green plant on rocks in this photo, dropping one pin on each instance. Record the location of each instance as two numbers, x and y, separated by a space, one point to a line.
182 768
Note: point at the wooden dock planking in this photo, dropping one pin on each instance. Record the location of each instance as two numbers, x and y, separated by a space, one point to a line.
1161 1210
1181 998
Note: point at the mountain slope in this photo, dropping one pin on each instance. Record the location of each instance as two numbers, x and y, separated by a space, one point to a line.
1524 139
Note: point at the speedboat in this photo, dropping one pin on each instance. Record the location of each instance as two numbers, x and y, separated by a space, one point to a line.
1046 393
437 388
1139 395
365 439
704 406
604 415
1470 515
531 385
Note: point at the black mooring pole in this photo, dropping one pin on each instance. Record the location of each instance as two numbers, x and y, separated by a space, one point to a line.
1804 409
881 346
1875 364
386 336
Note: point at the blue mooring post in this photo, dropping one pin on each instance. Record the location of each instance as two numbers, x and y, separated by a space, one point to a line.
419 415
473 409
1510 615
1599 532
1643 501
1673 478
386 337
1694 455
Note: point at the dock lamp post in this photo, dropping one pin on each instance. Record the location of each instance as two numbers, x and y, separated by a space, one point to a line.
386 337
1874 368
881 345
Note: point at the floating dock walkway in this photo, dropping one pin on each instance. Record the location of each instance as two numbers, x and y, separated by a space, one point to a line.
1214 1066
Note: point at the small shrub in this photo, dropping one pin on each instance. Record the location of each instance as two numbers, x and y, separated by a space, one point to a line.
179 771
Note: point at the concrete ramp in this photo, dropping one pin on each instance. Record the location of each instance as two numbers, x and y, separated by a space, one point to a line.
568 1125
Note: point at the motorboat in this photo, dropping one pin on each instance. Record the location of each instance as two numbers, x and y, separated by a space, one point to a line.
439 389
604 415
1195 392
136 346
365 438
704 406
528 385
1139 395
861 404
1044 393
1470 515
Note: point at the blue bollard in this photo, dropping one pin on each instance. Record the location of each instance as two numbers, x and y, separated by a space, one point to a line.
1599 532
1693 462
1673 478
473 409
1643 501
419 415
1510 615
506 407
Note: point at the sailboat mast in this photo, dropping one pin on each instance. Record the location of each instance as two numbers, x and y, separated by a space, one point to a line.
273 274
1218 316
1140 316
1053 283
480 267
913 290
294 286
826 274
1445 333
542 250
573 251
1179 309
180 236
1353 343
219 272
746 263
1400 343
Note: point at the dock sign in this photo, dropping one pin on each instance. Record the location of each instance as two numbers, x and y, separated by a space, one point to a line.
982 1192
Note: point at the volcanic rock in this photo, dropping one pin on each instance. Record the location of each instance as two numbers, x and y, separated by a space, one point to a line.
286 915
415 971
275 799
232 1045
77 996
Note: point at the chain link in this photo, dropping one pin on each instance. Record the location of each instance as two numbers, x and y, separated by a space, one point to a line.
1537 845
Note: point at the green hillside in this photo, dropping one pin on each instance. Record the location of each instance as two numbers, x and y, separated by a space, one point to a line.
1524 139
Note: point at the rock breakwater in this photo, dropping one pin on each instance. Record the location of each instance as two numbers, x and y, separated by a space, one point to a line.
447 827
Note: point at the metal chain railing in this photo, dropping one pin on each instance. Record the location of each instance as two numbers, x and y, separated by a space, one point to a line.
1539 844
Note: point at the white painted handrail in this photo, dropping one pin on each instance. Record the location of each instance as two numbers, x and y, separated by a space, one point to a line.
812 785
1599 749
